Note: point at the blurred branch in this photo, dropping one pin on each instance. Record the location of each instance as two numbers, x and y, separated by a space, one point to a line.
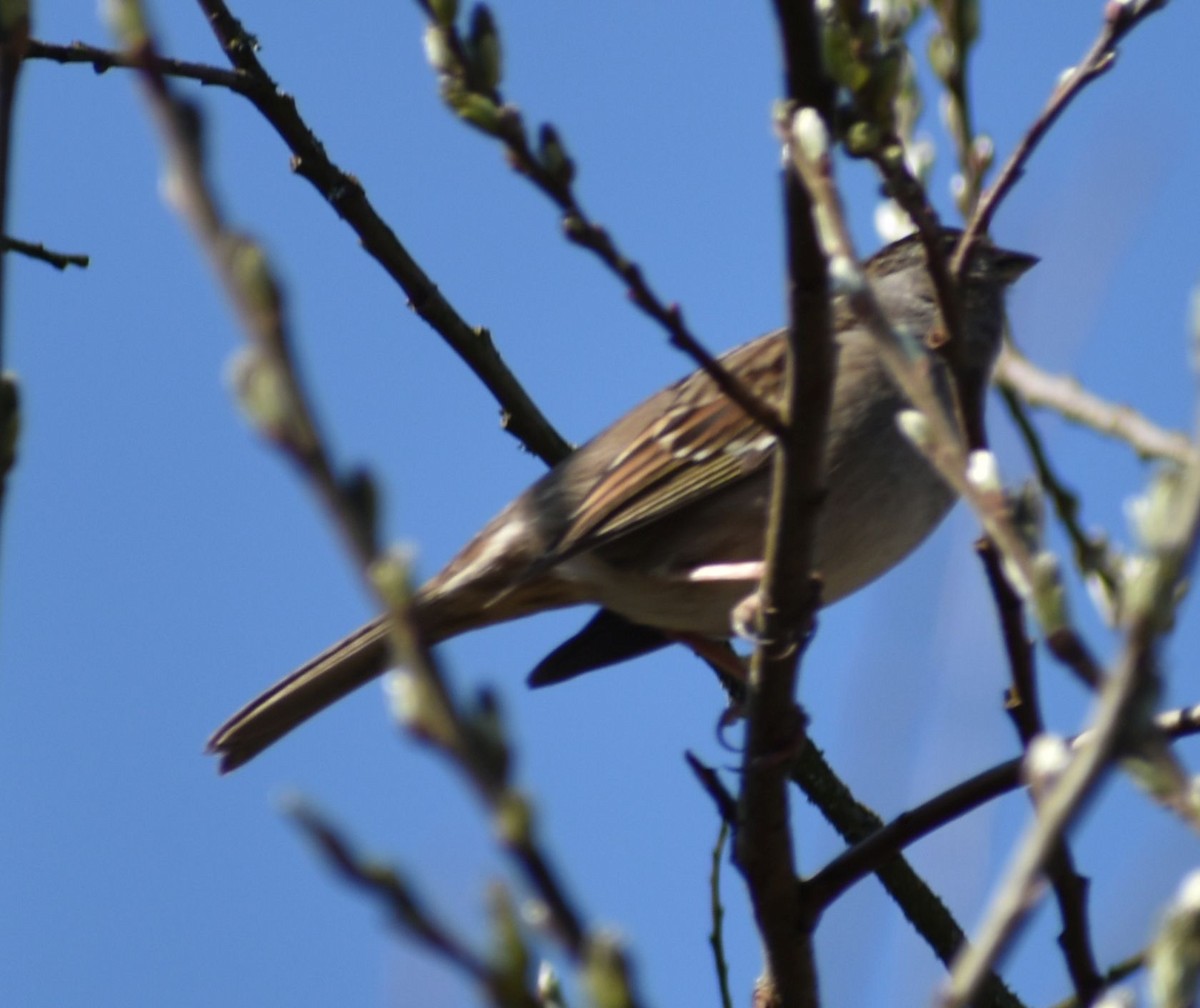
1015 373
949 53
1120 18
393 892
272 395
469 72
934 433
38 251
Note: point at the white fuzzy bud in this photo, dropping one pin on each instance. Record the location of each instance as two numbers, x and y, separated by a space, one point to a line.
809 134
983 472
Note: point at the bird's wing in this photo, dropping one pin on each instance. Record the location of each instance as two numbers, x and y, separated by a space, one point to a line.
682 444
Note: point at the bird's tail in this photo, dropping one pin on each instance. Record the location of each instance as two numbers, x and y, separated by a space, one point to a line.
357 659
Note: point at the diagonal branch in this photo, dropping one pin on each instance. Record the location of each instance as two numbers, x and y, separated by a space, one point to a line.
346 196
1120 18
36 250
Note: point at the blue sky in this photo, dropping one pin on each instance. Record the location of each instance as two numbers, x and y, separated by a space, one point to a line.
160 565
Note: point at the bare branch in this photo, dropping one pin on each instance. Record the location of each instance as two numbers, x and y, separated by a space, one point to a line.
1120 18
102 60
36 250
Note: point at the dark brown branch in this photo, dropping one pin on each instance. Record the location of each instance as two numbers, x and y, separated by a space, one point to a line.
14 36
789 595
1091 557
346 196
36 250
102 60
1024 708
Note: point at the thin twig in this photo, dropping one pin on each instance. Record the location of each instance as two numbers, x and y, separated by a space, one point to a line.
1091 557
470 86
102 60
1113 975
14 35
716 937
36 250
346 196
1119 19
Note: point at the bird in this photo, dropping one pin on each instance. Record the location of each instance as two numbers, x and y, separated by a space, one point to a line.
660 519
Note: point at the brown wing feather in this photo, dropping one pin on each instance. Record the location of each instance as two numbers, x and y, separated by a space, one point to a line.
702 442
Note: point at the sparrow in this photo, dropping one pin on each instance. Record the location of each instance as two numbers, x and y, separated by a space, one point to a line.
660 519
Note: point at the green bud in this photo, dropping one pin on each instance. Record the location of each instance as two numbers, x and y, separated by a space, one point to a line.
1174 956
513 818
914 425
1049 595
943 55
838 45
263 394
549 989
480 112
553 156
862 139
509 956
444 11
483 44
606 973
253 272
127 21
438 50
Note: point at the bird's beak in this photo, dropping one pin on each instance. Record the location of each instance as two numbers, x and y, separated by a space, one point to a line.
1013 264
